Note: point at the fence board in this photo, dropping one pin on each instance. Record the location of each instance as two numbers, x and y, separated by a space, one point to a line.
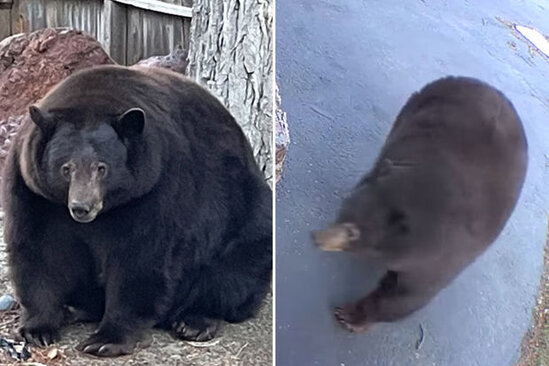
160 6
151 33
114 35
127 32
5 23
77 14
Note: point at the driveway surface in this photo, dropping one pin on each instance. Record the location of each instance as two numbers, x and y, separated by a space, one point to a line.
345 68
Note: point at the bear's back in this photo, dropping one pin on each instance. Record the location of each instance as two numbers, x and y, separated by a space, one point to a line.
114 89
179 112
460 116
458 156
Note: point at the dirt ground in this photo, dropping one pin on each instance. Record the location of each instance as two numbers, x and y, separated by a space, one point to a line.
248 343
535 347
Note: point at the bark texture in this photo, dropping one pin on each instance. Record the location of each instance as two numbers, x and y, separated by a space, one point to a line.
282 136
231 53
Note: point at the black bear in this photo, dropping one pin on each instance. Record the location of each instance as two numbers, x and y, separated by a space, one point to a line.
132 198
444 185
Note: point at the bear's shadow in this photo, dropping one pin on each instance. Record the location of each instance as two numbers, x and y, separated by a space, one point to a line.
351 277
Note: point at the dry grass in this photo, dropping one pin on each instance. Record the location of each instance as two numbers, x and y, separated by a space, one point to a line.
535 347
248 343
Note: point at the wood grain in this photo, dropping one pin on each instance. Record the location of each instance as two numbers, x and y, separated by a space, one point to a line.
129 33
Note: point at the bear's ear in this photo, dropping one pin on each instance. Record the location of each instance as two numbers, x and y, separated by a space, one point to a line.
130 123
40 118
384 168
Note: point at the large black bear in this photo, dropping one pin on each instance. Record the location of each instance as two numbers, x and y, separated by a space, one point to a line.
132 197
444 185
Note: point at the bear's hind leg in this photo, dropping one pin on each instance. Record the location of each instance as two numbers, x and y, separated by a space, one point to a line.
231 291
396 296
196 328
217 295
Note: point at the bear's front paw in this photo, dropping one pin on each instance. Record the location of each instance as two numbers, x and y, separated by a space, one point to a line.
196 328
351 318
104 345
39 334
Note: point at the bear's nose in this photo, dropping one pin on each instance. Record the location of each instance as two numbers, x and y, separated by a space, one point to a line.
80 209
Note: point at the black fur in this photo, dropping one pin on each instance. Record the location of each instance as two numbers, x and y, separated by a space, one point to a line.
183 239
445 183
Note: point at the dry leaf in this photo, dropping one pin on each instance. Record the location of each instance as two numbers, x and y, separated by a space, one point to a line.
52 353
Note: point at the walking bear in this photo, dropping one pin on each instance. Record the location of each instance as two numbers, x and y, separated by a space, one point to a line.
442 189
132 198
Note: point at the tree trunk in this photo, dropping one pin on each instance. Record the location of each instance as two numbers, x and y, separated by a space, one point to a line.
231 53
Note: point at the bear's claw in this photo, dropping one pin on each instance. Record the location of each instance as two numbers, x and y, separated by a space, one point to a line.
102 346
350 320
196 329
42 336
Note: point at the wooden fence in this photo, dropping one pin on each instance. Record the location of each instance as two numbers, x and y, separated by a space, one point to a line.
129 30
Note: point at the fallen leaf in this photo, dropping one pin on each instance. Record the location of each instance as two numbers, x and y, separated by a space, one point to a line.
52 353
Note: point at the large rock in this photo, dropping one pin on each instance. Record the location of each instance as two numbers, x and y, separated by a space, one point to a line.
32 63
175 60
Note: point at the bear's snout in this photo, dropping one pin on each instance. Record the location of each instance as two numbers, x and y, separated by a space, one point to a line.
79 209
337 237
85 199
328 240
84 212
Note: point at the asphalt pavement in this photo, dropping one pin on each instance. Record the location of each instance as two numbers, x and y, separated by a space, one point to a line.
345 68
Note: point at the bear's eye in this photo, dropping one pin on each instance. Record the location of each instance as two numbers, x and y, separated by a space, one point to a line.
102 169
66 171
352 231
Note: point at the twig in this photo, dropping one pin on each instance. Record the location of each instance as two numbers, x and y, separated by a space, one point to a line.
241 349
203 344
8 322
321 113
419 342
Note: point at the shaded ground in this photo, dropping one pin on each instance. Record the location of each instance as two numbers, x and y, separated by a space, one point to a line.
345 69
249 343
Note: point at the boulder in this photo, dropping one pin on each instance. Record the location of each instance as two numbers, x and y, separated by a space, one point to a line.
175 60
32 63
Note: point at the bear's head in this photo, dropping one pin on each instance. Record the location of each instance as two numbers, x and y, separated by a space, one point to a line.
366 219
356 224
83 162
